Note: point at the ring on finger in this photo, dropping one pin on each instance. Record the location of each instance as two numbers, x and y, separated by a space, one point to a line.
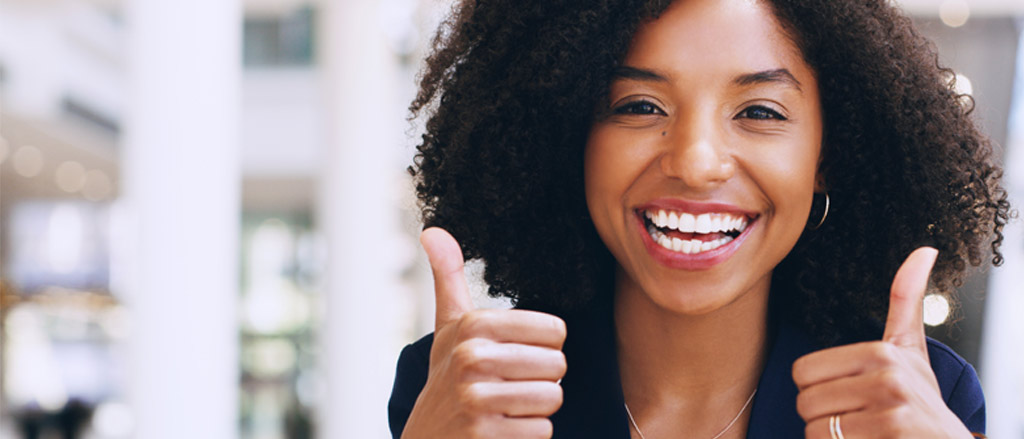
833 427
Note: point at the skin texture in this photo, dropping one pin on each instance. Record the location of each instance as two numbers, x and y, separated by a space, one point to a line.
493 373
697 134
511 92
883 389
692 341
693 129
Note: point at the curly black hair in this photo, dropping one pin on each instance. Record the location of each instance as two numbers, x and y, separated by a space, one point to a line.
509 93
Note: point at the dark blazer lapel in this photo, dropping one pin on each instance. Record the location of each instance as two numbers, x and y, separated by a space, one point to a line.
593 403
774 414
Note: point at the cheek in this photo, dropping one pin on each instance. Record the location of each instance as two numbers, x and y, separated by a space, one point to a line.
599 182
611 166
788 179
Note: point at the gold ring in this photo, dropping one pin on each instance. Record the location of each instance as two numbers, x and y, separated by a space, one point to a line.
833 427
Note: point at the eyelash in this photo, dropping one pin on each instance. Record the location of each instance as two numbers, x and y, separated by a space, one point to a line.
647 108
770 114
634 108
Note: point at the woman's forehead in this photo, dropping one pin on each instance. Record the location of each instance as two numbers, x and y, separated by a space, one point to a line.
716 37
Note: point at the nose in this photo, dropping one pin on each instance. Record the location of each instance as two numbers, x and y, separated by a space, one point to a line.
695 153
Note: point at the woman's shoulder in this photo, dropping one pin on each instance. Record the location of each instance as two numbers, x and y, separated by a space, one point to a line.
959 385
410 377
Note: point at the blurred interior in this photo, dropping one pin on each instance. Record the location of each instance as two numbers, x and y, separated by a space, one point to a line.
207 229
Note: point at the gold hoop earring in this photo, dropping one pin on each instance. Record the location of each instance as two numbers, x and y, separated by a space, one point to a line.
824 215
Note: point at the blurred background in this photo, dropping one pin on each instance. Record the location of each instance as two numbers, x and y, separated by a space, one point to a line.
207 230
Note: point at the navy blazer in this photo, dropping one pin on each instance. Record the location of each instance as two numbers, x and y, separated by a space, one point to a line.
593 404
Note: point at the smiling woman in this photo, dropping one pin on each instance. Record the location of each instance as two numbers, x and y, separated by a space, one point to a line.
699 208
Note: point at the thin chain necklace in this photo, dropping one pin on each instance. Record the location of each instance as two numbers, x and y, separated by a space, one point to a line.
727 427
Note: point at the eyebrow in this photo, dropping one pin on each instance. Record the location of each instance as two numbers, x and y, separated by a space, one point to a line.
782 76
627 72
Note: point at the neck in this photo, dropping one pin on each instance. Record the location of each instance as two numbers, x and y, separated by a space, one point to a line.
705 365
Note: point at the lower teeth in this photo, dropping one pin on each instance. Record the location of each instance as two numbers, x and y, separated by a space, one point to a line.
691 246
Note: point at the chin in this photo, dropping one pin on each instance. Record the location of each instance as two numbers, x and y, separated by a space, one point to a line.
688 301
700 293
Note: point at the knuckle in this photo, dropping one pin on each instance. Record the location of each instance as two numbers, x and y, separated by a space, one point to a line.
562 364
476 323
479 427
467 357
888 378
472 398
803 404
558 397
546 428
885 353
549 397
891 422
558 327
891 381
799 369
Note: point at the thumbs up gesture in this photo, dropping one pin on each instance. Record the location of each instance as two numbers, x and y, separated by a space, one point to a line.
884 388
493 373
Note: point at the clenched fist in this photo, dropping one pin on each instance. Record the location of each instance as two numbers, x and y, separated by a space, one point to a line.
882 389
493 373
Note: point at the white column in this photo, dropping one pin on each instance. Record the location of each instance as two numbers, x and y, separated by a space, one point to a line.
366 246
181 174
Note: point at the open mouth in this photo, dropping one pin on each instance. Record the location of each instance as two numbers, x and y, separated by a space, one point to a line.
691 234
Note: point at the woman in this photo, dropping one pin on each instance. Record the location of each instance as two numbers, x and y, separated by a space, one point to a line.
699 208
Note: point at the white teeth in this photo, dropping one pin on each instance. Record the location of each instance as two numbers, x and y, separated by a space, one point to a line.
703 223
689 246
687 223
690 223
677 244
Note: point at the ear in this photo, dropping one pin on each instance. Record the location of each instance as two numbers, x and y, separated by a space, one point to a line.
819 181
819 184
819 172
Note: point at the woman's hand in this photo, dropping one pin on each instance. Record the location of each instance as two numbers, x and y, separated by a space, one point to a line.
883 389
493 373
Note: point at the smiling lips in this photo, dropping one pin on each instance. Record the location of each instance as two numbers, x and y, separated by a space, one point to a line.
692 234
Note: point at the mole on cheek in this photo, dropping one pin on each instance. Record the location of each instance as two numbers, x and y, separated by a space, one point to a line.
663 133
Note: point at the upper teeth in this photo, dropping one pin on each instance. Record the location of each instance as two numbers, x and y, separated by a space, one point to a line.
703 223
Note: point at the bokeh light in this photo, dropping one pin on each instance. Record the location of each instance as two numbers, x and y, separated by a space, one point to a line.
954 13
97 186
70 176
28 161
936 309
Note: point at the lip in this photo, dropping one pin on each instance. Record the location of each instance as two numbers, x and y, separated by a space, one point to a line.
702 260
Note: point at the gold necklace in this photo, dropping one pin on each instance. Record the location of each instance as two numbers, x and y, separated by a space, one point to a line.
727 427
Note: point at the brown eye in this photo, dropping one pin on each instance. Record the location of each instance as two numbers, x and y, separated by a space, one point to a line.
760 112
639 107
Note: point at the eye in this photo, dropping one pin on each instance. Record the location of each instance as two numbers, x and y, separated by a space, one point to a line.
639 107
760 112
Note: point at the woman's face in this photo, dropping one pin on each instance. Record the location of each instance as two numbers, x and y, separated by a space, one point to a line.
700 177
